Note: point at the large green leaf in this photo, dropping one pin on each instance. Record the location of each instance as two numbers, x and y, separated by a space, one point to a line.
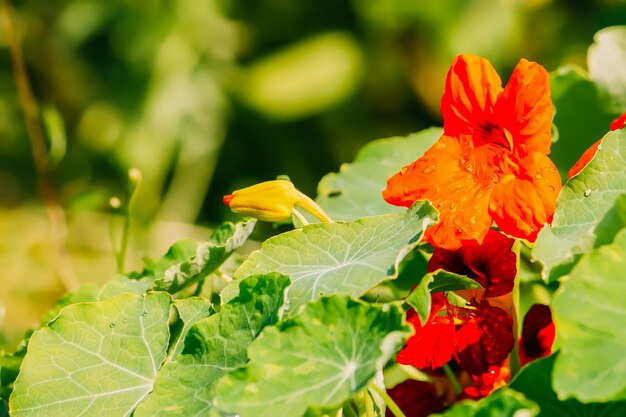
534 381
322 357
95 359
356 190
581 207
502 403
606 61
214 347
589 313
190 311
340 258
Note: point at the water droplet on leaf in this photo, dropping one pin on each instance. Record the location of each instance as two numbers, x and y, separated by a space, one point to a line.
112 325
144 314
587 192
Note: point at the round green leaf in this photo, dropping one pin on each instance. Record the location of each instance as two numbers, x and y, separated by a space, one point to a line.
322 357
95 359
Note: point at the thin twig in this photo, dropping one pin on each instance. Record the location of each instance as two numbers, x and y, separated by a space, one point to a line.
55 212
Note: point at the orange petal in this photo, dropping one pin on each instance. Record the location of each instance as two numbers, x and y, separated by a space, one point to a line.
421 179
472 88
585 158
461 198
525 108
522 206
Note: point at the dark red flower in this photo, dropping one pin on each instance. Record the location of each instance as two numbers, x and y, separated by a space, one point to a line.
477 336
416 398
537 334
492 264
484 384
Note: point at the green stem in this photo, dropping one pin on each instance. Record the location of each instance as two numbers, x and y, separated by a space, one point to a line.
198 289
391 404
453 379
369 405
514 364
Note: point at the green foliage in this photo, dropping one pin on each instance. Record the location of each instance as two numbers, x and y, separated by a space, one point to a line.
340 258
322 357
356 190
215 346
607 58
534 381
582 206
502 403
96 358
589 315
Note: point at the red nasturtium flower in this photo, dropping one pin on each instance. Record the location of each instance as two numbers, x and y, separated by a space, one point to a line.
479 335
537 334
492 263
491 163
586 157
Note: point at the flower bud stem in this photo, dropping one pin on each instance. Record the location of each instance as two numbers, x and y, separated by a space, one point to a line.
391 404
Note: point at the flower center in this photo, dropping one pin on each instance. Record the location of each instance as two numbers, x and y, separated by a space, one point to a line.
491 133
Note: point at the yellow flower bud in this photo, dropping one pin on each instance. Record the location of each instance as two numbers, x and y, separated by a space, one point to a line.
272 201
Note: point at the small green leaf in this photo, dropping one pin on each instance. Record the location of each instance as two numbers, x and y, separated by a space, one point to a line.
534 382
502 403
437 281
582 205
322 357
95 359
85 293
190 310
213 347
606 61
339 258
356 190
589 314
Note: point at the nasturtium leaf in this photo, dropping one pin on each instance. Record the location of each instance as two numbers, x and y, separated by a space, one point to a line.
321 357
437 281
121 284
340 258
88 292
95 359
606 61
215 346
502 403
582 205
534 381
356 190
178 274
190 310
589 315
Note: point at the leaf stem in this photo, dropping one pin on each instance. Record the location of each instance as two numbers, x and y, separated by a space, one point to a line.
369 406
458 389
391 404
41 158
300 217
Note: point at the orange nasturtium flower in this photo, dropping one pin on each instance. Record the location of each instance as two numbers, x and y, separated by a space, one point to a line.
273 201
491 163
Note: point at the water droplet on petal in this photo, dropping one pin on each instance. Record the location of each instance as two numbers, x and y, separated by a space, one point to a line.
473 220
538 175
429 169
587 192
551 188
600 147
112 325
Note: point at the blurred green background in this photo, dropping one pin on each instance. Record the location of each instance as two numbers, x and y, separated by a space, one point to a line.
206 96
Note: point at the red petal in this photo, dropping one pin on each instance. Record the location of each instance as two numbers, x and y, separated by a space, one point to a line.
585 158
485 340
432 345
537 334
619 122
227 199
525 109
416 398
471 92
492 264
